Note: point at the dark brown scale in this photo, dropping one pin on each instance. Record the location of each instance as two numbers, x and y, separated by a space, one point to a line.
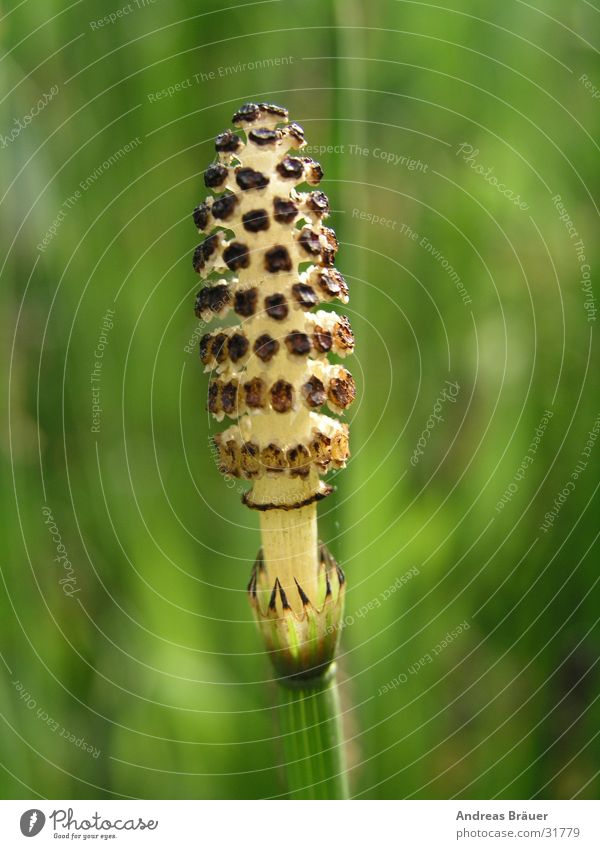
273 458
256 220
322 339
284 210
227 142
210 245
331 246
205 348
290 168
219 347
265 347
282 396
213 397
310 241
200 216
314 393
202 302
255 393
299 461
232 455
198 260
297 343
227 463
318 202
273 109
296 132
247 112
342 390
215 175
343 333
204 251
248 178
276 306
305 295
314 172
245 302
339 447
320 449
229 397
263 136
213 298
238 346
219 297
236 255
332 283
224 460
224 206
249 459
278 259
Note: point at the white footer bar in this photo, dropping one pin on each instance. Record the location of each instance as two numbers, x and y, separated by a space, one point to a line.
298 825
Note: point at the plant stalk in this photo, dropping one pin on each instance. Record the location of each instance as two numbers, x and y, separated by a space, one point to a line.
290 552
312 738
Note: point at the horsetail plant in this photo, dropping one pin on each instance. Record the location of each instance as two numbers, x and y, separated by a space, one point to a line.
267 256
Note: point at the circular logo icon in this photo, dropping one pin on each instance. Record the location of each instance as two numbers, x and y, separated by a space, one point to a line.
32 822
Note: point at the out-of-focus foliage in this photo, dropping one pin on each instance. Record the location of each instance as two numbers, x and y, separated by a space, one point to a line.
146 652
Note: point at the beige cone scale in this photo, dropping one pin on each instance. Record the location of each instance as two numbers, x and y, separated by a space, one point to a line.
267 260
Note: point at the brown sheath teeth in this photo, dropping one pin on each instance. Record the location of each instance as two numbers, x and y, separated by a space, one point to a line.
303 597
284 602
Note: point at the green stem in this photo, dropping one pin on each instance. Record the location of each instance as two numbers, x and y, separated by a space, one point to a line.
312 740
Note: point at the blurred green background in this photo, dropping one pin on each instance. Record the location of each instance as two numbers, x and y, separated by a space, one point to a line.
141 674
